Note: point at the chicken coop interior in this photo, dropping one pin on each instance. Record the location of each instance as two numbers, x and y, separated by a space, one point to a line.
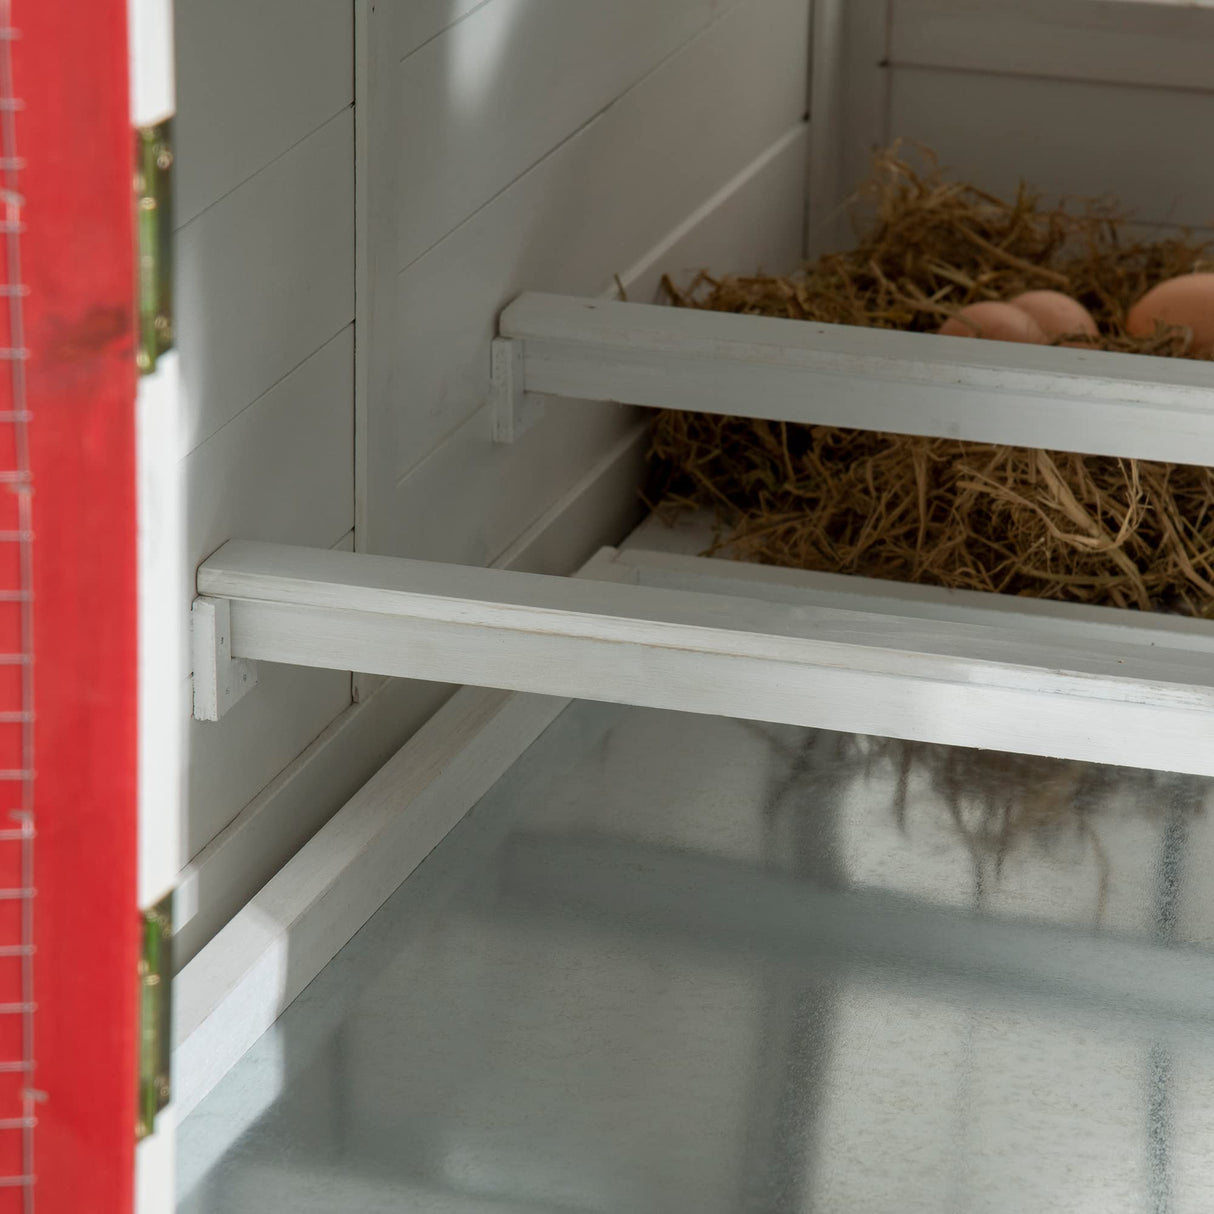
668 728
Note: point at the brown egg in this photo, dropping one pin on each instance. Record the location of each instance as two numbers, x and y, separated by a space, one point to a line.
1057 315
994 322
1187 301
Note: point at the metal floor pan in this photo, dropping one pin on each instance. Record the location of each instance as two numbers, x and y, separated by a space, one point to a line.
683 963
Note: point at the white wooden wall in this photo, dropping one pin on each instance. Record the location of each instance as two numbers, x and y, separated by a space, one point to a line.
543 144
1078 97
265 260
414 164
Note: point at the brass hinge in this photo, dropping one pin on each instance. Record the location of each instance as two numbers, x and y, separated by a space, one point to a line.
155 1014
154 235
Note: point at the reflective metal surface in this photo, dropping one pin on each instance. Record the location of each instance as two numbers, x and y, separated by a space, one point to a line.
679 963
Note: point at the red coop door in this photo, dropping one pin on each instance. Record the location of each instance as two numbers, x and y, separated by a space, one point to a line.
69 924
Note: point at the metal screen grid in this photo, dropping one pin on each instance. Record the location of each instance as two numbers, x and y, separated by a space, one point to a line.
18 1095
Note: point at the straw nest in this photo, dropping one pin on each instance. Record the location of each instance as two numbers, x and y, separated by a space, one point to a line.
1121 532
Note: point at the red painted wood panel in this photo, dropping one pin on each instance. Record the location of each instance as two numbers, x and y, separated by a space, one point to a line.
70 72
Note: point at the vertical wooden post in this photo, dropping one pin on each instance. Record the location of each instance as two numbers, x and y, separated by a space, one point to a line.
73 131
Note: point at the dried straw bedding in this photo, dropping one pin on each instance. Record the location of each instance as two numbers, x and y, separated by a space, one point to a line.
1093 529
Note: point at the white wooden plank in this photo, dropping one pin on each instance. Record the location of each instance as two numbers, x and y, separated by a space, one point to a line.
753 222
156 1166
602 505
828 129
281 581
239 984
164 613
281 470
287 812
1124 42
478 106
252 81
865 115
415 23
1016 686
1070 621
678 533
913 383
997 130
472 498
272 827
266 277
848 111
576 220
230 761
150 55
375 218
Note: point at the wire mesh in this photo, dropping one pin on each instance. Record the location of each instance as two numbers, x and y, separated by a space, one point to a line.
18 1089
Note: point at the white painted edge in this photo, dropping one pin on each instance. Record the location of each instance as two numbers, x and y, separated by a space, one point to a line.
156 1166
514 411
226 873
250 972
824 190
1083 623
160 547
1029 688
150 47
220 681
316 607
913 383
162 616
658 256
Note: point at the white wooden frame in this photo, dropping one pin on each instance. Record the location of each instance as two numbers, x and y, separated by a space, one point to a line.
1095 402
1031 682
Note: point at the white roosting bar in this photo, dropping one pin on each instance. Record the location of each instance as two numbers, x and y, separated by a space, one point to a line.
716 637
1023 682
689 359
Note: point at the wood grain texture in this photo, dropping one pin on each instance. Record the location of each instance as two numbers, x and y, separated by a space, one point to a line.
575 220
230 761
472 498
1122 42
913 383
244 98
478 106
266 277
282 469
1042 131
753 222
413 25
1079 622
1013 684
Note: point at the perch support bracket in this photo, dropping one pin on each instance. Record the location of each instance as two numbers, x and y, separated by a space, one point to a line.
220 680
515 410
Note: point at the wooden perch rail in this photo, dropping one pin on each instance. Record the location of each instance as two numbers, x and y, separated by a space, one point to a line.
1090 401
1022 682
